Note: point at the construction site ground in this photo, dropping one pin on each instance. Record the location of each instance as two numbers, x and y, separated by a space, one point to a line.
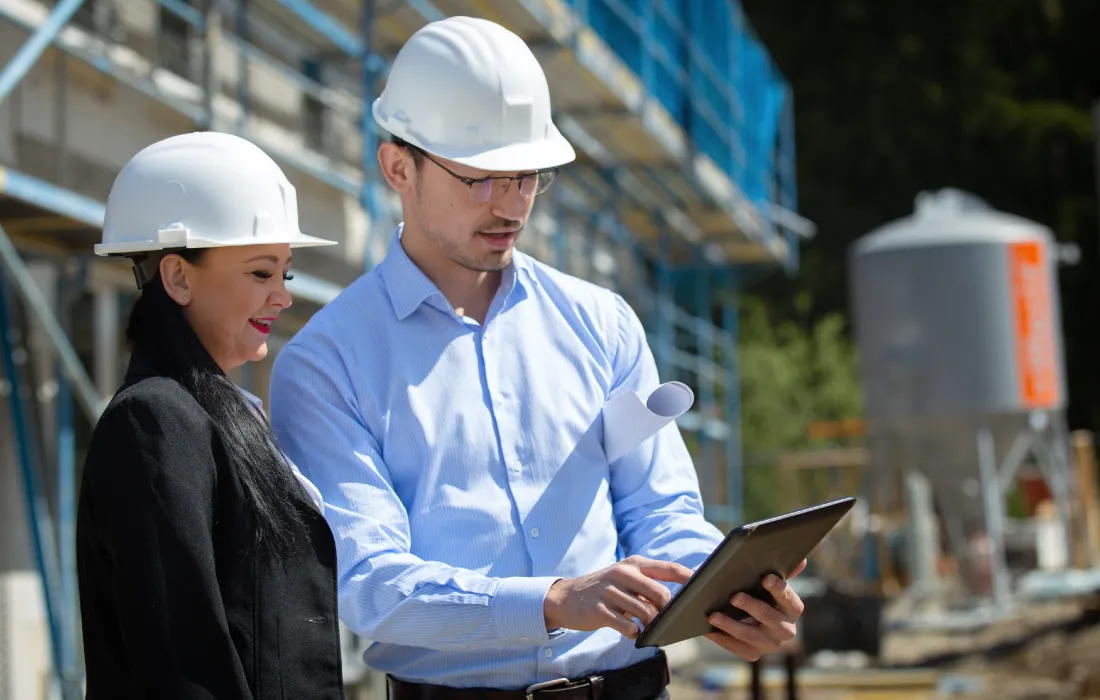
1045 651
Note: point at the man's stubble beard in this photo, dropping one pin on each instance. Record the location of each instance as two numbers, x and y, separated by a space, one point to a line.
493 261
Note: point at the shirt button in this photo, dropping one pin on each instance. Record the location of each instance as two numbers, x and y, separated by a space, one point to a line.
549 653
535 532
516 465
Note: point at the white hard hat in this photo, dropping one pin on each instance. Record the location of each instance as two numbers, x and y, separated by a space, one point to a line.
200 190
471 91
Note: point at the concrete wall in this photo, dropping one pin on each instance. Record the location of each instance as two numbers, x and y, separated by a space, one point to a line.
24 641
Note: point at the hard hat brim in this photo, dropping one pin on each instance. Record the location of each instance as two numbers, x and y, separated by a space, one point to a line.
552 152
540 155
294 240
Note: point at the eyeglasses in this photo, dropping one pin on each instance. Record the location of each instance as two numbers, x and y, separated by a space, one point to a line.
485 189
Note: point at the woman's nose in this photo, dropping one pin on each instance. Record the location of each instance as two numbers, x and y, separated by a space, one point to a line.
282 297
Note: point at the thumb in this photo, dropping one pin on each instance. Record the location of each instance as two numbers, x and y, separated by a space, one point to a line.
668 571
797 570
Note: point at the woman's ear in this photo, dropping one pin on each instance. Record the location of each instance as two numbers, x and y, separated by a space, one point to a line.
173 275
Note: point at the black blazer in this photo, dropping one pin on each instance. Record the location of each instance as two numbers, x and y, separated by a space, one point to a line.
170 607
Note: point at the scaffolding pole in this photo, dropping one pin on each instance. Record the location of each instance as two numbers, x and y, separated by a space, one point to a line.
732 397
90 400
43 540
30 51
369 195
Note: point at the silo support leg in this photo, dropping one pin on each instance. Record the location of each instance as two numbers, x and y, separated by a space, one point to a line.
994 518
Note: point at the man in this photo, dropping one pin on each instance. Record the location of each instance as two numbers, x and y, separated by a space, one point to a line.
447 405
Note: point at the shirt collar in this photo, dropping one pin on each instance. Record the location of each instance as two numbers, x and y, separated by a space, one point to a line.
254 400
408 287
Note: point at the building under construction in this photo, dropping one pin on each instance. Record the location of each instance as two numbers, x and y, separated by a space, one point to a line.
683 192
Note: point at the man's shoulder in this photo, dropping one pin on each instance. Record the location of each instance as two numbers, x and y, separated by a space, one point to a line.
572 290
361 304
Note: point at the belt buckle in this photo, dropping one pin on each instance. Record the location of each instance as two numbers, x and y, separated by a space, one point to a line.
532 689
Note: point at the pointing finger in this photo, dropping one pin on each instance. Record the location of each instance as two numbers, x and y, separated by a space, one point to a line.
634 583
665 571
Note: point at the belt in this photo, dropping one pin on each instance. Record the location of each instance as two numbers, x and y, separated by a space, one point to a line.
642 681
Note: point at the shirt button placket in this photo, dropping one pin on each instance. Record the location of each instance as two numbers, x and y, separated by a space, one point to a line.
500 398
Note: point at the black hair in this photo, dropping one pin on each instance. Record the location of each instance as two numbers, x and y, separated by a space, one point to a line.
416 153
159 331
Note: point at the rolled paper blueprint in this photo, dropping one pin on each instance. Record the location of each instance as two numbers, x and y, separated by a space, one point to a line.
629 420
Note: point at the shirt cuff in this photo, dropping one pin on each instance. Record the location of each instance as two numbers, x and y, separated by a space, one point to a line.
518 609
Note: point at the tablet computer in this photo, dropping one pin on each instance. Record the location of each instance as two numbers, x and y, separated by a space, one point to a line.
738 565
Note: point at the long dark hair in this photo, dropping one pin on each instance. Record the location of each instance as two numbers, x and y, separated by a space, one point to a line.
159 331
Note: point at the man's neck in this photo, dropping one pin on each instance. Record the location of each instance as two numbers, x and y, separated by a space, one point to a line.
468 291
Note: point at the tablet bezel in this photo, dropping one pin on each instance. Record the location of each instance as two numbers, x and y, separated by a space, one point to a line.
828 514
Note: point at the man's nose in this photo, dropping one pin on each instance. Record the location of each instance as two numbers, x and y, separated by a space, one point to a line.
512 205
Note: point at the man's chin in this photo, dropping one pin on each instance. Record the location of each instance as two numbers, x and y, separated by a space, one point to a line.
492 262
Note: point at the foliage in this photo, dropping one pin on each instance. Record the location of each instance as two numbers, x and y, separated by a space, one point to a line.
791 374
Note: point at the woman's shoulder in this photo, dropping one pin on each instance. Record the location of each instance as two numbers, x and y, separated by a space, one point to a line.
153 435
154 409
157 395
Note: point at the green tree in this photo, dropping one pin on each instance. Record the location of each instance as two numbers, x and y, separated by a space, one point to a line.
791 374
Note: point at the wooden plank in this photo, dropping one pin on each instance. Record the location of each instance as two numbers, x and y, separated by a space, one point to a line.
832 429
1084 449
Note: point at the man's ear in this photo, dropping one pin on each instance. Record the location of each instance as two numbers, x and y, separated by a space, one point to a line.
397 166
173 275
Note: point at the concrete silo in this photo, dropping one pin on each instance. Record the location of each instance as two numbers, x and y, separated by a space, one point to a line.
957 319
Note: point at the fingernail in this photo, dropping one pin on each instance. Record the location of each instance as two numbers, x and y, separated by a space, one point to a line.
739 599
772 581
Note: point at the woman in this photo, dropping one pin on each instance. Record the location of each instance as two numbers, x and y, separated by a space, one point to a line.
206 568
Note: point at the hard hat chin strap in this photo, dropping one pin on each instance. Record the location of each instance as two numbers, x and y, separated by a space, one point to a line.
145 267
139 273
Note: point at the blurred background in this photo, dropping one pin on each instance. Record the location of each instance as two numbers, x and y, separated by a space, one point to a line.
865 233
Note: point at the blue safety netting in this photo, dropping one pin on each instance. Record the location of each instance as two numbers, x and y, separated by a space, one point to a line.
702 61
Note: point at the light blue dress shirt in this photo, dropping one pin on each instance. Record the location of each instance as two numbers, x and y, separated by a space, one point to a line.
463 472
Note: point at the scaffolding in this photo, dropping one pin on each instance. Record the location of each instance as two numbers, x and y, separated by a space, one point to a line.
683 192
